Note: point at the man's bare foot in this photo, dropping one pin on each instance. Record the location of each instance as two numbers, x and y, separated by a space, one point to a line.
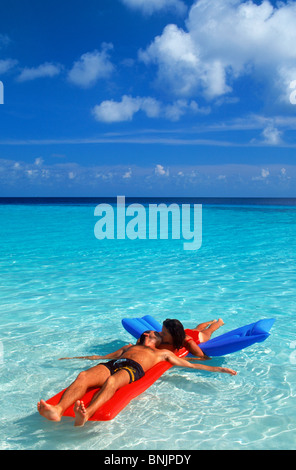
50 412
220 322
80 413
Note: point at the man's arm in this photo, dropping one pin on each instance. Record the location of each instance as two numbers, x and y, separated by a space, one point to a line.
114 355
179 362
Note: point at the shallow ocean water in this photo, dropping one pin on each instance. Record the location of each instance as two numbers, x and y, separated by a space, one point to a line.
64 293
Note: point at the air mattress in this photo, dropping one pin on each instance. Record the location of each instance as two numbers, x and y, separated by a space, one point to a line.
123 396
222 345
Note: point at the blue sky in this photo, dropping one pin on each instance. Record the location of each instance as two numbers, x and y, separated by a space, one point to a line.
147 97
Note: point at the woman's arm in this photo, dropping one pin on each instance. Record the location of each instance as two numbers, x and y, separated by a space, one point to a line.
194 349
179 362
114 355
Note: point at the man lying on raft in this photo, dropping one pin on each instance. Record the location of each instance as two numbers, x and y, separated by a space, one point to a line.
175 337
129 365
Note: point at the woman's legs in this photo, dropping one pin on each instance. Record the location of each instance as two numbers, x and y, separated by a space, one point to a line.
203 326
206 334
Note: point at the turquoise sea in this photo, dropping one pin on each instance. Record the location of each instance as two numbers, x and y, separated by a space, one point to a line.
63 293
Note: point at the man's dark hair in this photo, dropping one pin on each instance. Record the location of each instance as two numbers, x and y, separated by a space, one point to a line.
143 336
175 328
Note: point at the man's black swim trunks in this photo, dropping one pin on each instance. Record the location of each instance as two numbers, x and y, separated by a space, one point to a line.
132 367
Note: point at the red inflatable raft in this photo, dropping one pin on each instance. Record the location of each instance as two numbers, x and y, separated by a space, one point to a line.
123 396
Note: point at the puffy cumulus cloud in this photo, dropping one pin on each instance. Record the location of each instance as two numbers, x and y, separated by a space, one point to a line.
272 136
159 170
264 174
177 58
92 67
232 179
151 6
285 82
181 66
178 108
44 70
116 111
225 40
110 111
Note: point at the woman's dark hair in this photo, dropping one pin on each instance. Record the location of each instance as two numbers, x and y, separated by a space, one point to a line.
175 328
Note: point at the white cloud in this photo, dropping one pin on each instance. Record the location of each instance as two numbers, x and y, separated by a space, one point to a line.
161 171
150 106
112 111
92 67
178 108
44 70
224 40
32 173
39 161
116 111
6 65
177 60
248 180
272 136
127 174
151 6
265 173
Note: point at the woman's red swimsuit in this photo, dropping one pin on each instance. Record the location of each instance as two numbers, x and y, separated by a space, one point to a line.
192 335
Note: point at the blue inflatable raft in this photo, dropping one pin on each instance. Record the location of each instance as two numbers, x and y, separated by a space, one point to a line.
226 343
